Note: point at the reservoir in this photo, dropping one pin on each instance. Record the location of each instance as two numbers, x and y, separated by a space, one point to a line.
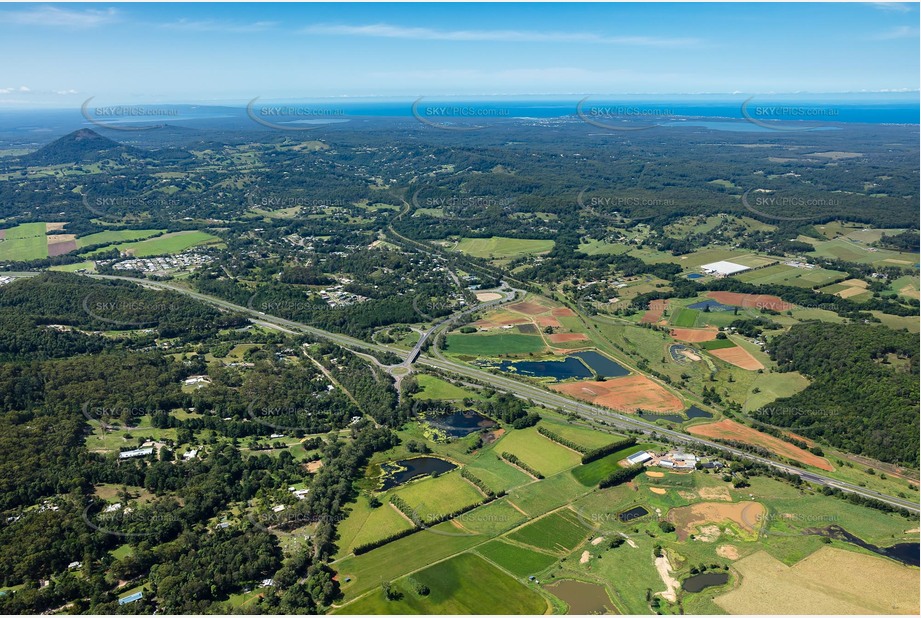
557 369
582 597
705 580
602 365
634 513
461 423
399 472
906 553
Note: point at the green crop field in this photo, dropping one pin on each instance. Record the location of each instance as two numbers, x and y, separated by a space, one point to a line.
365 524
499 247
465 584
498 475
559 532
716 344
491 519
24 242
592 473
431 497
436 388
494 345
685 318
518 560
586 437
537 451
175 242
115 236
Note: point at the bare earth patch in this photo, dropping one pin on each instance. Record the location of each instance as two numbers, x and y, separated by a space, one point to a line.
708 534
654 474
747 515
528 308
671 584
585 556
564 337
658 490
655 311
314 466
547 320
715 493
694 335
731 430
485 297
563 312
628 394
757 301
598 540
55 226
730 552
739 357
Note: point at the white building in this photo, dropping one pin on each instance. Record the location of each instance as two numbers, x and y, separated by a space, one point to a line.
638 458
723 268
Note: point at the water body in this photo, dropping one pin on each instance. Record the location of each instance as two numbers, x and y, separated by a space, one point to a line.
557 369
399 472
634 513
652 418
582 597
460 424
695 412
906 553
705 580
695 276
602 365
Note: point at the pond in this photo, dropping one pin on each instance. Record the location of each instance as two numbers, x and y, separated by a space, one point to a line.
652 417
705 580
557 369
634 513
602 365
906 553
399 472
459 424
582 597
695 412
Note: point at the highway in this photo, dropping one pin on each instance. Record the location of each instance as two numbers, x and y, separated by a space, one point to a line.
527 391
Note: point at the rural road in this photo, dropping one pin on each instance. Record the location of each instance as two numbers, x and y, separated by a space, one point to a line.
519 389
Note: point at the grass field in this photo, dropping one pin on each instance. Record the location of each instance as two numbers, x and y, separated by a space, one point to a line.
465 584
500 247
717 344
447 493
790 275
539 452
24 242
583 436
365 524
494 345
498 475
175 242
685 318
592 473
115 236
558 532
518 560
436 388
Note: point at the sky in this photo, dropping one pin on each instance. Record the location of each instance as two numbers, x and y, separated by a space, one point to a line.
58 55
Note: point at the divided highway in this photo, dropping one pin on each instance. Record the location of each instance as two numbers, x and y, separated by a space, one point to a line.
527 391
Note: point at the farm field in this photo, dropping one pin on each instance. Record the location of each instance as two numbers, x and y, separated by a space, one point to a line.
365 524
559 532
592 473
497 474
499 247
790 275
586 437
730 430
115 236
465 584
432 387
494 345
431 497
830 581
628 394
853 251
537 451
685 318
24 242
174 242
518 560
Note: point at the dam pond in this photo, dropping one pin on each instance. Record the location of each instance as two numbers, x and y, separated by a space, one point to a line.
460 423
578 365
398 472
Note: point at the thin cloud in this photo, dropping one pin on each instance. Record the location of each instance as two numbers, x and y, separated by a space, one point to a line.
21 89
503 36
218 26
892 7
53 16
901 32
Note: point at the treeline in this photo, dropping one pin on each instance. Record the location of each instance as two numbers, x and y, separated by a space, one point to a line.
512 459
604 451
467 474
620 476
560 439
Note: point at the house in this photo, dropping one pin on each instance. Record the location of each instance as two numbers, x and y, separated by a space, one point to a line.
140 452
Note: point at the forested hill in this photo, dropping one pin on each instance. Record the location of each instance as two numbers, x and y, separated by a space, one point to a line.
864 392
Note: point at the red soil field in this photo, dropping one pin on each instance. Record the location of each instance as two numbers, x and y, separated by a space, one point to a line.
60 248
2 234
628 394
563 312
528 308
731 430
656 309
738 357
757 301
545 320
562 337
694 335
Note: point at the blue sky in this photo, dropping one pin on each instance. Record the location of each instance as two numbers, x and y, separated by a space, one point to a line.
130 53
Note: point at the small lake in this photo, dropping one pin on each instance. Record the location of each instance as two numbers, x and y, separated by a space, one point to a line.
906 553
634 513
582 597
695 412
602 365
399 472
705 580
460 424
557 369
691 413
